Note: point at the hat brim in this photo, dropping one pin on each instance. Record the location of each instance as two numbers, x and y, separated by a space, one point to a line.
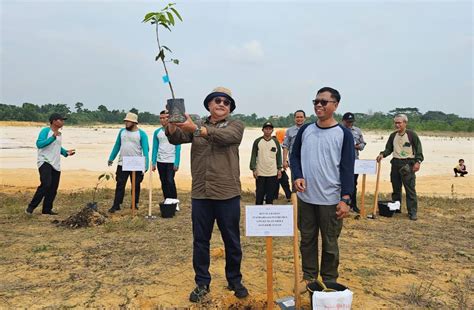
130 120
268 126
219 94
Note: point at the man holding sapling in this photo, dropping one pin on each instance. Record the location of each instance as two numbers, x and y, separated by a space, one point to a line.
49 164
322 161
406 160
215 187
165 157
131 141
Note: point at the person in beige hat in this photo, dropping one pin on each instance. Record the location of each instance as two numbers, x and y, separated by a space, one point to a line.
131 141
215 187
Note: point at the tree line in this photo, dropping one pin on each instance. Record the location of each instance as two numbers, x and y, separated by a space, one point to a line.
429 121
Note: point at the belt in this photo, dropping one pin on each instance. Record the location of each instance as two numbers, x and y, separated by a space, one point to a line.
403 159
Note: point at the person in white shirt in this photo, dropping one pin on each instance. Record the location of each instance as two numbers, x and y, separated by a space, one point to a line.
131 141
49 164
165 156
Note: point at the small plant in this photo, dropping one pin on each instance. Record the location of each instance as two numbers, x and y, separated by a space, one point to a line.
166 19
104 177
40 248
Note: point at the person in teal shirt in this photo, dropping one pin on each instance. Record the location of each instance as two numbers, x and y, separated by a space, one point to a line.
49 164
131 141
165 156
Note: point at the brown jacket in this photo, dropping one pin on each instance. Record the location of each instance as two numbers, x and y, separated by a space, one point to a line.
214 159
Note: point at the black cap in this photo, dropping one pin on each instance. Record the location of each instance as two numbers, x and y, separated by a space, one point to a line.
56 116
348 117
267 124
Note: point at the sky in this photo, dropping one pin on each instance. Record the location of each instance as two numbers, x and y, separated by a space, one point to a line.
273 55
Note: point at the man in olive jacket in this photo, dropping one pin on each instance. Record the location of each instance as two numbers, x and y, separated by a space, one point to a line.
406 159
215 187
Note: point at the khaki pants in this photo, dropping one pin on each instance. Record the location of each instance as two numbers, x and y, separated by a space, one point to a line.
313 219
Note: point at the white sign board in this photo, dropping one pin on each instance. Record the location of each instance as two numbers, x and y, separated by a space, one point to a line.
133 163
269 220
365 166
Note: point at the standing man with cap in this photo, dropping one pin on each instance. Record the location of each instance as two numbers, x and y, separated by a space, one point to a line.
265 163
348 120
166 157
322 161
131 141
49 164
215 187
407 157
300 117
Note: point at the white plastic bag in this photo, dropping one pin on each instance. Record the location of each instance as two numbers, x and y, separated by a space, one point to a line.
332 300
170 201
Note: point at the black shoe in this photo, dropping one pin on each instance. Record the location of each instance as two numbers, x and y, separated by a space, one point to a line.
240 291
49 213
413 217
355 209
29 211
114 209
198 293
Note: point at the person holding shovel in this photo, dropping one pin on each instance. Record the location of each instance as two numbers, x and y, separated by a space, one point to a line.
322 161
216 188
131 141
406 160
49 164
165 157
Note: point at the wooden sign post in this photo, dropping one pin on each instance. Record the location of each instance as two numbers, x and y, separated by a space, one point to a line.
364 167
296 251
269 221
133 164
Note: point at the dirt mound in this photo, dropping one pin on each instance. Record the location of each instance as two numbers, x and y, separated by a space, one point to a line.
87 217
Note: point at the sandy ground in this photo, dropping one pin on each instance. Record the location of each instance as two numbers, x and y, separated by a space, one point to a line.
93 146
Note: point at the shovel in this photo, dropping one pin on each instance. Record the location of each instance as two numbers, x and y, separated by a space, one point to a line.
150 185
325 288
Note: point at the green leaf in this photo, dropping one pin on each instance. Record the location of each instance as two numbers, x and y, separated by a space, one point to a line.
166 48
166 26
161 55
170 18
176 61
148 17
176 13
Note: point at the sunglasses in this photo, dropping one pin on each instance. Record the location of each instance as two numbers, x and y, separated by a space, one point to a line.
322 102
220 100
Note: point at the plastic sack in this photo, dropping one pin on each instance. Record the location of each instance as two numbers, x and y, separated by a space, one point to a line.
332 300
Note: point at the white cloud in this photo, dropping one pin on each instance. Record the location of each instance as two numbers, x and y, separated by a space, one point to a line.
250 52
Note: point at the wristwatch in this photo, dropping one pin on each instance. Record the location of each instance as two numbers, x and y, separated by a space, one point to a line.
347 201
197 131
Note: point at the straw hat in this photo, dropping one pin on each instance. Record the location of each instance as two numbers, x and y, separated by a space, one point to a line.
220 92
131 117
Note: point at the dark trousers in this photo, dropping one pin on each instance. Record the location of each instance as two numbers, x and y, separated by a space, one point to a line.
402 174
48 188
462 173
285 184
168 186
354 194
227 214
265 189
121 177
313 219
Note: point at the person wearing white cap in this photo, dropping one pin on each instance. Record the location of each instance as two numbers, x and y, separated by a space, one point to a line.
131 141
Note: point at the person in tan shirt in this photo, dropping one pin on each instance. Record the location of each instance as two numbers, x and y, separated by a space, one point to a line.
265 163
406 160
216 187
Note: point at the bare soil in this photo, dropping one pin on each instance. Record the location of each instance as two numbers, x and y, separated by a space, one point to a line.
138 263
